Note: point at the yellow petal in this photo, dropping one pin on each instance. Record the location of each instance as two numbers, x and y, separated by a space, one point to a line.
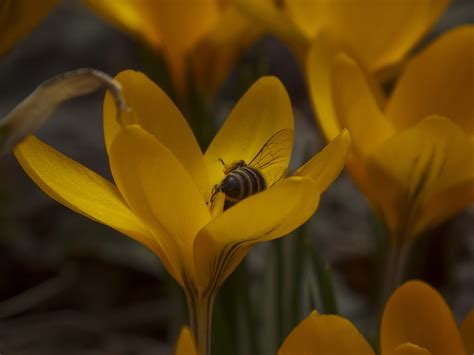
80 189
174 25
20 17
264 110
417 314
409 349
270 214
160 191
216 54
381 31
186 344
357 108
467 332
319 68
423 175
152 109
326 166
135 17
324 335
439 81
267 13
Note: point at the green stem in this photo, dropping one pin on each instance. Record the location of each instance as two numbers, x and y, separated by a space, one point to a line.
200 319
280 289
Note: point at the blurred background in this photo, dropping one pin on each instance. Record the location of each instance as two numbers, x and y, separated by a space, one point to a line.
70 285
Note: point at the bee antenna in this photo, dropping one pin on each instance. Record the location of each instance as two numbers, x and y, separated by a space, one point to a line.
222 161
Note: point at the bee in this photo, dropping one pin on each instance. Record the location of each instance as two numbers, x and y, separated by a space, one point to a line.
245 179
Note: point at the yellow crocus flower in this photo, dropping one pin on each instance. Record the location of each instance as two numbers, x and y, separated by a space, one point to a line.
164 194
381 32
413 153
20 17
416 321
210 32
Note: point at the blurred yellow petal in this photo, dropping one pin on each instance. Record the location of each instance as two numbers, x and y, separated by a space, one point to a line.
357 108
467 332
319 67
264 216
134 16
186 344
80 189
215 55
326 166
20 17
173 25
325 335
439 81
152 109
160 191
409 349
268 14
264 110
319 70
380 31
417 314
423 175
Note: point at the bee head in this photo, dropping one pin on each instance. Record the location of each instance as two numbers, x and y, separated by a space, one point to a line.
231 167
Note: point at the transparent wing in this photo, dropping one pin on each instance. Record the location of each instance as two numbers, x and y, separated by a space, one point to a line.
275 151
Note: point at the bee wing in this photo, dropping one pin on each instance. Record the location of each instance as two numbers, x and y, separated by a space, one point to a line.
274 174
276 150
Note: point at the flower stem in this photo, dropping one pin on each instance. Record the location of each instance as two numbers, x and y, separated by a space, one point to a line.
397 256
200 319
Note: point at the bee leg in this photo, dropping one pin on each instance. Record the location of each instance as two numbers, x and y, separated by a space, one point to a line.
215 190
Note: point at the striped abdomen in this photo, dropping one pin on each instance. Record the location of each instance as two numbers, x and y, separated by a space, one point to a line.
241 183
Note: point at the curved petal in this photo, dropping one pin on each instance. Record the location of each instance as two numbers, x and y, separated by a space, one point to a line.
264 216
154 111
356 107
264 110
423 175
439 81
80 189
318 69
20 17
416 313
160 191
326 166
325 334
134 17
186 344
399 24
175 25
268 14
409 349
319 74
216 54
467 332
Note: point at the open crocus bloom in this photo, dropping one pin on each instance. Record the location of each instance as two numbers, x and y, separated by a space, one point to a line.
19 17
416 321
209 32
413 154
398 25
164 183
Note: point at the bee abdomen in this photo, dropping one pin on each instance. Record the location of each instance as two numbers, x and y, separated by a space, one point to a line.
241 183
